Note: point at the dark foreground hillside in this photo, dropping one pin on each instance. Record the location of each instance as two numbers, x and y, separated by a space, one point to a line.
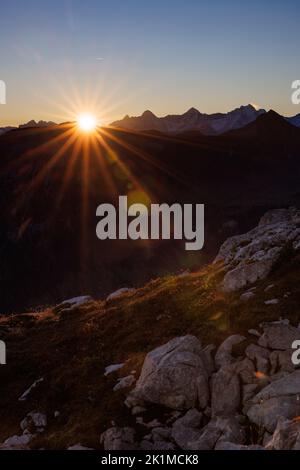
53 179
66 349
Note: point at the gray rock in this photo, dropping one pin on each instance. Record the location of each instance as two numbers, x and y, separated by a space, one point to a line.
187 429
245 274
275 216
151 424
219 428
267 438
278 335
27 392
146 445
17 442
249 390
286 435
245 369
271 302
250 257
173 375
70 305
247 296
279 398
207 358
224 352
34 420
124 382
118 293
226 391
113 368
161 434
260 356
137 410
116 438
269 287
254 332
281 361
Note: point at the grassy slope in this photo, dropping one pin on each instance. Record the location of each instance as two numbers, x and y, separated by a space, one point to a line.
71 351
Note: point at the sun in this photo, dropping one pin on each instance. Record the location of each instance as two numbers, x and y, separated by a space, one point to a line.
87 122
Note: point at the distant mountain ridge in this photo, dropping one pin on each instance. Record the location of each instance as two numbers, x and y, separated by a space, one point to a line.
28 124
34 123
194 120
191 120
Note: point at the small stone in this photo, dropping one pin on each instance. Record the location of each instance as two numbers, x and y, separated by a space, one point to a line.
270 286
124 382
271 302
113 368
137 410
247 296
118 293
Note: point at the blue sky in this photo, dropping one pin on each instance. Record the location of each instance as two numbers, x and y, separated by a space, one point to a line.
161 55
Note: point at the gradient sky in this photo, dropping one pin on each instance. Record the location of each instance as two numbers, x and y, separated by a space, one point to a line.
161 55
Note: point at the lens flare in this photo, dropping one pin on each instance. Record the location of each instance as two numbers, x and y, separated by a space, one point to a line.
87 122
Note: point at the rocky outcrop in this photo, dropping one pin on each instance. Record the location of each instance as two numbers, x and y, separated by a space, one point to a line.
219 400
220 429
33 424
250 257
17 442
34 421
174 375
278 336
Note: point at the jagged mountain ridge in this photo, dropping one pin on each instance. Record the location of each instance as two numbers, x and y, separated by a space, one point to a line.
31 123
191 120
194 120
209 124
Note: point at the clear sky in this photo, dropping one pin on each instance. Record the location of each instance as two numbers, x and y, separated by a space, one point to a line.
120 57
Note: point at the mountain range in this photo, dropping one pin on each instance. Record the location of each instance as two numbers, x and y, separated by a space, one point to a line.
191 120
28 124
194 120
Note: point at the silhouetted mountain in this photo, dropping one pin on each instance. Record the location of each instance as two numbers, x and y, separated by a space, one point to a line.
34 123
209 124
266 124
295 120
31 123
270 135
3 130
